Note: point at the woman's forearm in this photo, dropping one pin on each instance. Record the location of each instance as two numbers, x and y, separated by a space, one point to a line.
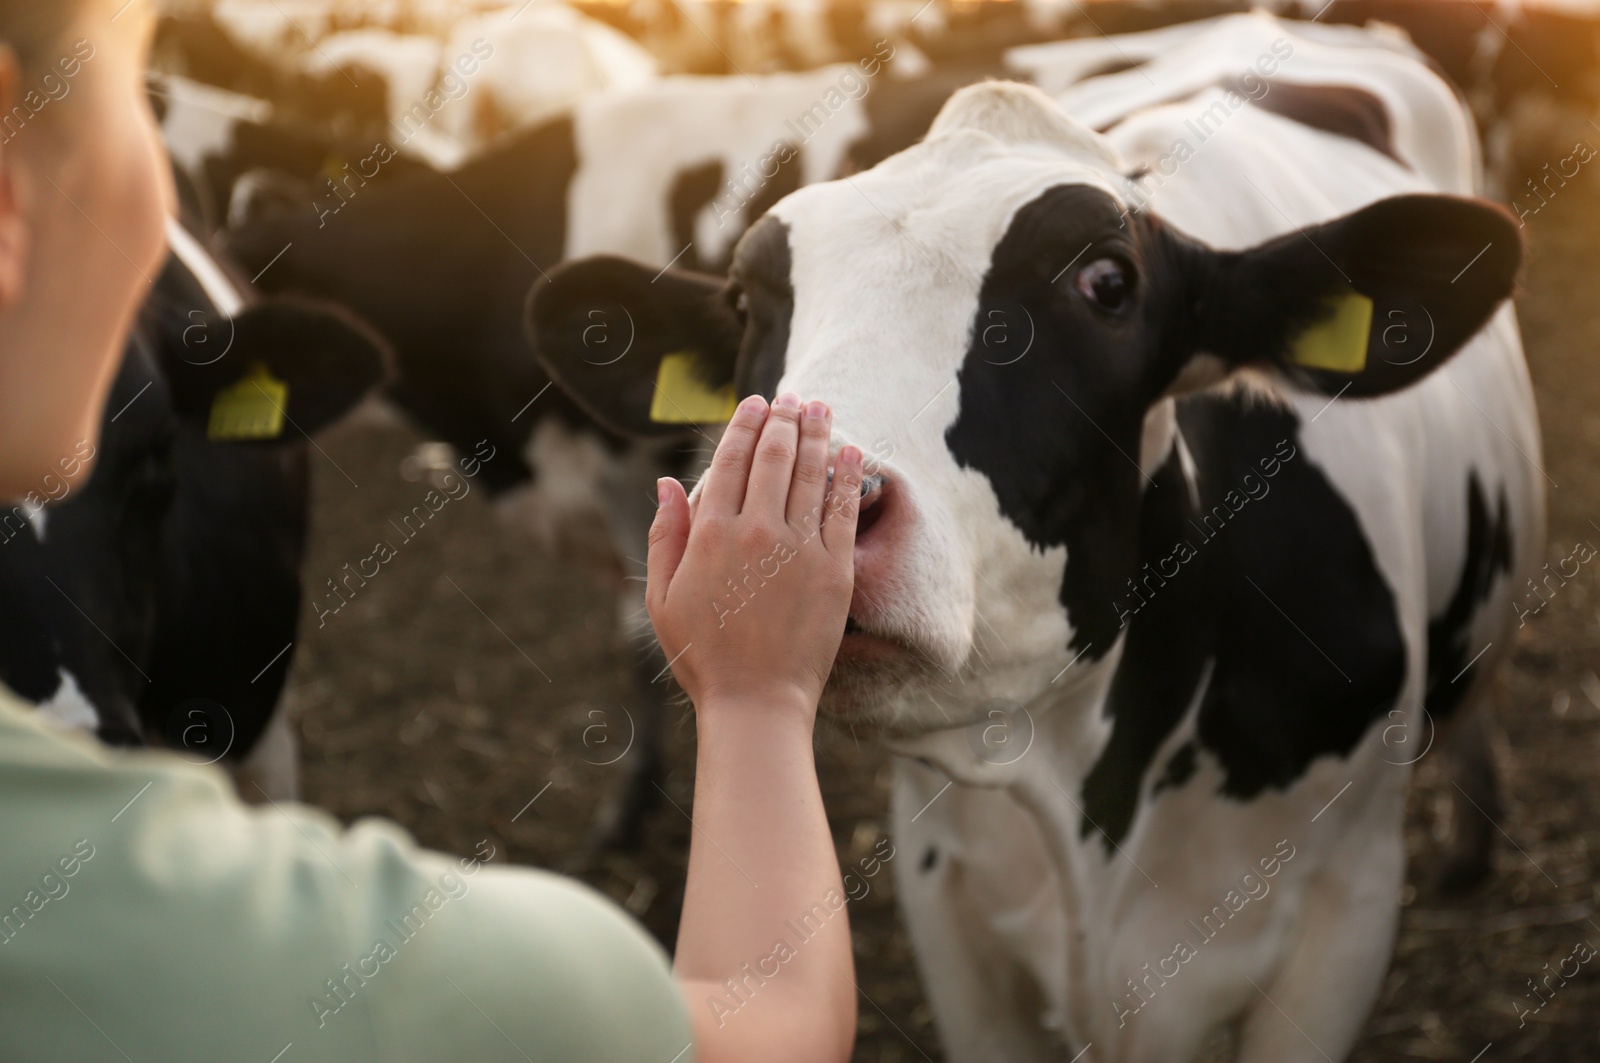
764 903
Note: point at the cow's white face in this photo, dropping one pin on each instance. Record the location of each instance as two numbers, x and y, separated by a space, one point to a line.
1002 336
889 321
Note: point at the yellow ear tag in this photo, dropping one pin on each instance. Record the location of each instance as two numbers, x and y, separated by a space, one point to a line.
1339 341
683 398
252 408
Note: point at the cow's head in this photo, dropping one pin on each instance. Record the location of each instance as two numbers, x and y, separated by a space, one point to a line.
989 320
170 573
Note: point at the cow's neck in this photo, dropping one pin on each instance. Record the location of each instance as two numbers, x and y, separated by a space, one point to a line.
1079 768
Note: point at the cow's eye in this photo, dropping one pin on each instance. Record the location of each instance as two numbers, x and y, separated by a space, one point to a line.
1106 283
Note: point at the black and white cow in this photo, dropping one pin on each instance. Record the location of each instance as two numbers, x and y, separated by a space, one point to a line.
1208 474
156 601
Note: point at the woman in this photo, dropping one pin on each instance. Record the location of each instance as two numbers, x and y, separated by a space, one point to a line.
146 914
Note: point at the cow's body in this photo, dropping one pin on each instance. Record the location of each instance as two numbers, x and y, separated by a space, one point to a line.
155 601
1156 618
1193 782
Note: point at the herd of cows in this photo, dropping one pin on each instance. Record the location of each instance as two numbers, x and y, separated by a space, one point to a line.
1208 457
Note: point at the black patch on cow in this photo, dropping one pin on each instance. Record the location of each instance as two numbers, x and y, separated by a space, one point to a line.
1489 553
1280 593
229 595
1057 431
692 190
1180 768
1308 640
1163 659
29 662
1342 110
89 588
784 179
1106 69
744 195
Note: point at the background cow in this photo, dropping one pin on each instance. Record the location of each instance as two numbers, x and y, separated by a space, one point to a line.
156 601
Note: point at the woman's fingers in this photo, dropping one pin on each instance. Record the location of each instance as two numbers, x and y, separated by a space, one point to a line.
773 467
810 483
844 500
730 467
669 535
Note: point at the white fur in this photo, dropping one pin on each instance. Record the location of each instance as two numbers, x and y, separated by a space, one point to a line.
632 143
1058 65
546 58
38 518
275 30
68 708
219 288
200 120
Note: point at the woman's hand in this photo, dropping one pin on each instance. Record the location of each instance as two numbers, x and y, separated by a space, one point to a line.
749 588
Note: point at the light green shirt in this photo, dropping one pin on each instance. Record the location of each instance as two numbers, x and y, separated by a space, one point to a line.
148 916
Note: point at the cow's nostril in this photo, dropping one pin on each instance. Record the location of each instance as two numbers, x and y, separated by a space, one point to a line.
872 495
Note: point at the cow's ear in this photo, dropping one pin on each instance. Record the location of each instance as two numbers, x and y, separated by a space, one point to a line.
288 368
647 353
1368 303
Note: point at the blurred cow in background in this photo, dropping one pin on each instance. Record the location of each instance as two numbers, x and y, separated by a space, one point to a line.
545 59
216 138
156 602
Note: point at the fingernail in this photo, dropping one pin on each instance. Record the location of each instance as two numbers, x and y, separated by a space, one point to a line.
789 400
752 406
661 491
850 455
816 410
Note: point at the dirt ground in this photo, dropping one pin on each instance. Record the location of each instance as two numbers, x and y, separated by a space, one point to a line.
475 689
